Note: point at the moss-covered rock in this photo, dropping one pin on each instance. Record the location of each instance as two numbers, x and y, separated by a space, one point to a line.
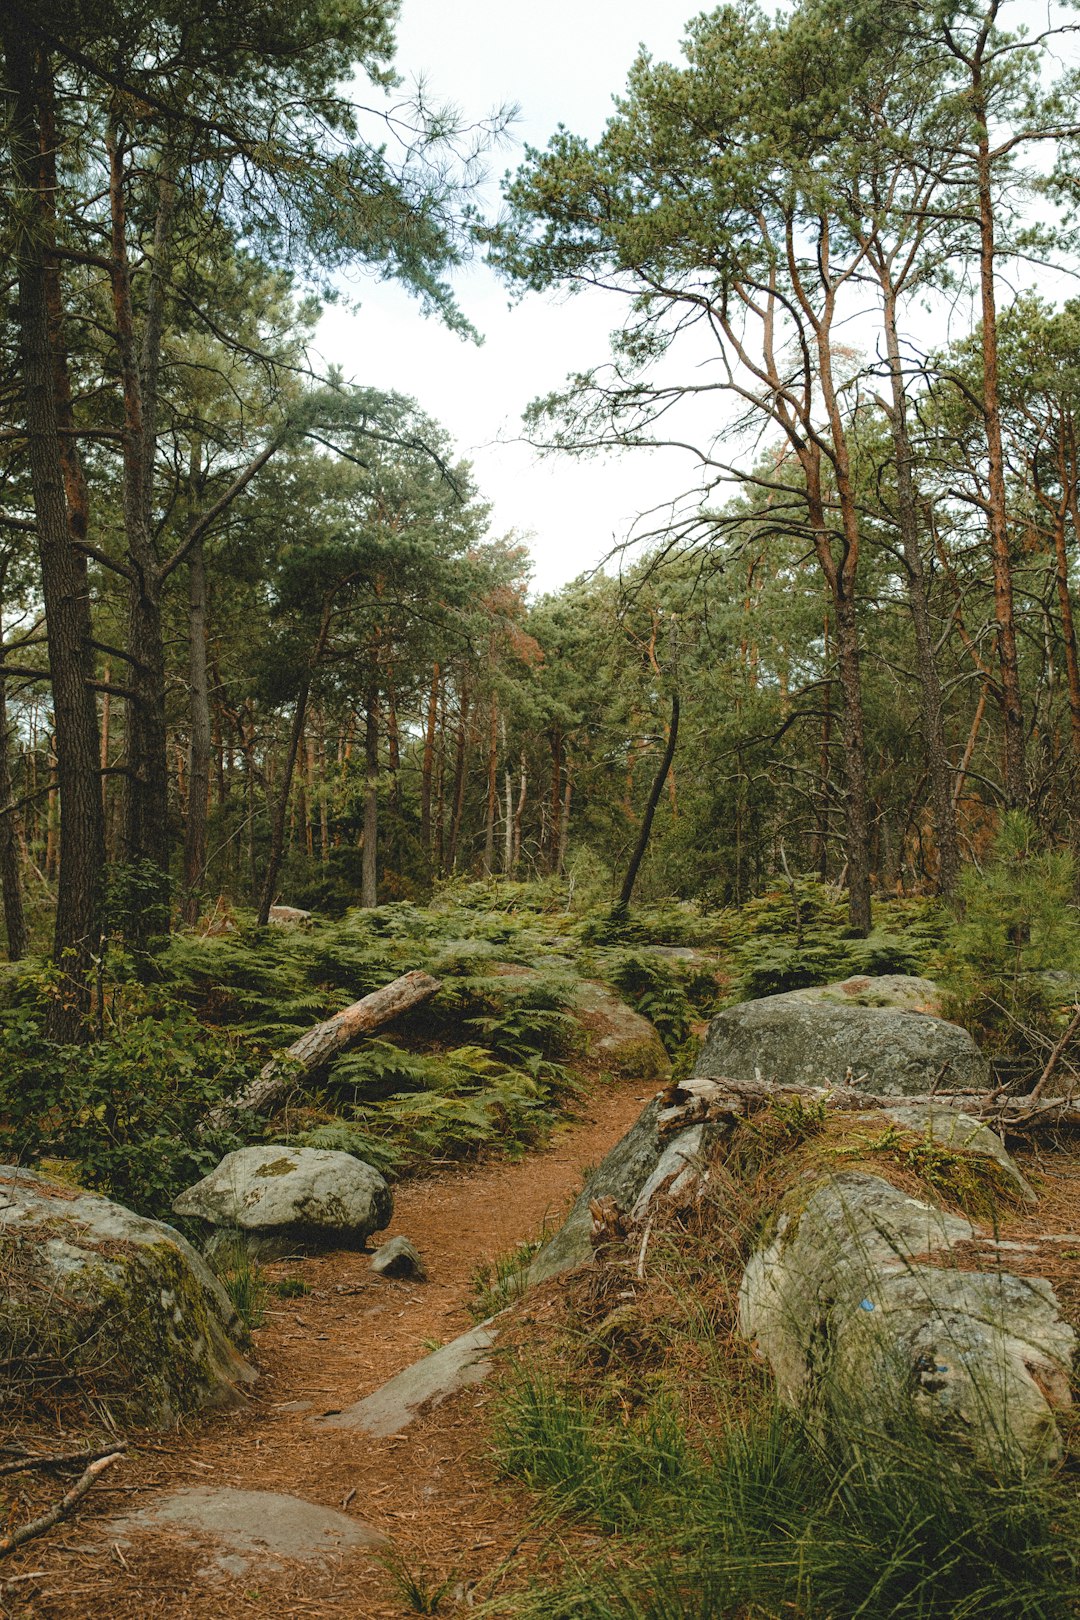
107 1309
863 1033
859 1305
618 1038
283 1198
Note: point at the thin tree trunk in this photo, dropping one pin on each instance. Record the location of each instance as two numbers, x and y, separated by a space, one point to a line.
281 810
146 785
933 728
10 876
201 743
508 828
519 812
369 868
555 801
429 763
997 511
622 905
492 789
564 823
459 777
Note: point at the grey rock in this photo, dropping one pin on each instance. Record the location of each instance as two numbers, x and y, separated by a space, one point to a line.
252 1526
122 1306
824 1037
680 1171
280 1199
861 1328
290 917
426 1384
623 1175
398 1258
621 1039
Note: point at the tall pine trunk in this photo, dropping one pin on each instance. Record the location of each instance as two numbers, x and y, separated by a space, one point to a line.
77 931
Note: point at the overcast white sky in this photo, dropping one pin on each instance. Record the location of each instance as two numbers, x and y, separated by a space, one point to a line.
559 62
562 61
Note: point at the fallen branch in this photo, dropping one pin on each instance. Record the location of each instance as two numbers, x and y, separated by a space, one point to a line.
38 1526
315 1049
721 1098
1055 1056
31 1459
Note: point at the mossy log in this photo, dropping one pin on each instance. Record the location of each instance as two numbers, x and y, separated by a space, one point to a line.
718 1098
320 1045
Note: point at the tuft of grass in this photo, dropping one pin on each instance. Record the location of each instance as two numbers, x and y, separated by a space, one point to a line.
418 1589
242 1280
497 1285
761 1520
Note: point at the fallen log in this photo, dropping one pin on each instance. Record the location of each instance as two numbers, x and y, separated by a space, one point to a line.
315 1049
37 1527
720 1098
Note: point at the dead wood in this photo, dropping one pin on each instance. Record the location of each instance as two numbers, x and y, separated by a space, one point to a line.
315 1049
32 1459
1055 1057
720 1098
45 1521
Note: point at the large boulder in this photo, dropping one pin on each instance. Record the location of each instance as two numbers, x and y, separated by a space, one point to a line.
860 1304
618 1038
108 1308
641 1166
867 1038
280 1199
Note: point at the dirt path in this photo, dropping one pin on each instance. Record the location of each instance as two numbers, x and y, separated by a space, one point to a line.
429 1489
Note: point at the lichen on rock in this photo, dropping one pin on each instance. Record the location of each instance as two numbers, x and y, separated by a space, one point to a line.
105 1308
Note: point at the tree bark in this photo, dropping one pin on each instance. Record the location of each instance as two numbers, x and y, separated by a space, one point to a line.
622 905
320 1045
459 776
930 699
77 931
369 866
492 788
10 876
429 763
281 810
996 510
201 741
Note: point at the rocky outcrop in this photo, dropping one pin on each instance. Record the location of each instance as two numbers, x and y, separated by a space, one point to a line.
110 1309
421 1387
860 1304
280 1199
862 1033
289 917
637 1170
618 1038
398 1258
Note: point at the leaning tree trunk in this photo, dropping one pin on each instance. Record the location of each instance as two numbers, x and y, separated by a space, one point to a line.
622 905
319 1046
997 509
77 931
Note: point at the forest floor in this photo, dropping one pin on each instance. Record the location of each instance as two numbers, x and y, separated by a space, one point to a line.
430 1490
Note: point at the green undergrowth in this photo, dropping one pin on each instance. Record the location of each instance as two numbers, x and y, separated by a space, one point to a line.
491 1061
632 1411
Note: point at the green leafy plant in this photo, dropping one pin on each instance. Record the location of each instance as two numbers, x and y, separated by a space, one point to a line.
1017 927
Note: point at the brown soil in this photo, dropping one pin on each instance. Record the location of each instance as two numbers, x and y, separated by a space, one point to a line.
431 1489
